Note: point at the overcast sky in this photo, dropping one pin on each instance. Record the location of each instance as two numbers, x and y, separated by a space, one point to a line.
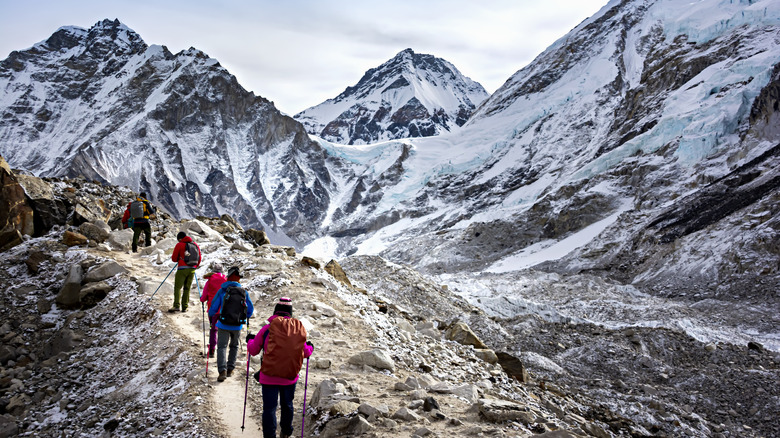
299 53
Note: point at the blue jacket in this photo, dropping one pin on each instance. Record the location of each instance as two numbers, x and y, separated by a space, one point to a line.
216 306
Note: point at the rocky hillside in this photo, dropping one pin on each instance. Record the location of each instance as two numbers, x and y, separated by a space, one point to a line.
102 104
89 350
411 95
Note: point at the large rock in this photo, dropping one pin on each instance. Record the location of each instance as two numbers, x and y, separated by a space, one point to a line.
334 268
462 334
121 239
257 236
91 210
94 293
69 293
346 426
16 215
71 238
95 232
376 358
48 210
328 393
201 229
500 411
513 366
104 271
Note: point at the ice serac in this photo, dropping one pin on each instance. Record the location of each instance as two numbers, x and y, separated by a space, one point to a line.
103 104
411 95
641 145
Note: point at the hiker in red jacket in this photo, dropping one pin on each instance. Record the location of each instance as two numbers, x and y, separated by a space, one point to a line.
215 279
187 254
283 341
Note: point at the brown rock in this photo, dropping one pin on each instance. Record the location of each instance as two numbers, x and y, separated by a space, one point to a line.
257 236
513 366
308 261
334 268
16 215
462 334
70 238
34 261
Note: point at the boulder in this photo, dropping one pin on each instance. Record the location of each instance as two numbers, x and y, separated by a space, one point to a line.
34 260
257 236
16 215
328 393
69 293
47 210
308 261
376 358
91 210
406 414
242 246
70 238
94 293
8 427
121 239
104 271
513 366
163 245
334 268
325 309
343 408
500 411
201 229
94 232
346 426
462 334
487 355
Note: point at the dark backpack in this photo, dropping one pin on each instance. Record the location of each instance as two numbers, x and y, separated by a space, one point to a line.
191 254
283 354
233 306
137 210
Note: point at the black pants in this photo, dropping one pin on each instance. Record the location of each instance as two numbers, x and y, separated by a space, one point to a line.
146 229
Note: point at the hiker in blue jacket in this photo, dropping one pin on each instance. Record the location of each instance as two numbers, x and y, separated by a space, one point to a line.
233 313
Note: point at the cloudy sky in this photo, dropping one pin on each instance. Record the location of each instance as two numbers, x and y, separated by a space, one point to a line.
299 53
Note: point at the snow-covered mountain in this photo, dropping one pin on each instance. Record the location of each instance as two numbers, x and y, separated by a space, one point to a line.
646 139
102 104
411 95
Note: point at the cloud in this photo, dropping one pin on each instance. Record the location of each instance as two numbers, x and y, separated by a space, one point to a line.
300 53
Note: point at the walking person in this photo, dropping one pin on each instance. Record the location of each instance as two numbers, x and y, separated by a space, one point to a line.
284 346
187 254
215 278
140 212
233 307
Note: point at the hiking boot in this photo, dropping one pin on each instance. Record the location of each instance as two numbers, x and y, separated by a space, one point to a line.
284 435
222 376
229 373
211 354
183 309
173 310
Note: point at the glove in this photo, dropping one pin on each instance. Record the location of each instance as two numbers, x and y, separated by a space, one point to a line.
310 345
249 336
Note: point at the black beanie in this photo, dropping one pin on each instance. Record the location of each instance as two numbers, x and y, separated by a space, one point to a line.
283 307
181 235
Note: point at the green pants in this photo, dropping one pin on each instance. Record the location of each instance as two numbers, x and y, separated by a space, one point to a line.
183 278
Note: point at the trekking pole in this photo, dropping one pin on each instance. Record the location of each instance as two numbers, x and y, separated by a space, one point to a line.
163 282
246 384
203 317
305 387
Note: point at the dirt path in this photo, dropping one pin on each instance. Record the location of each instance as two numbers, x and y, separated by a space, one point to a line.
227 397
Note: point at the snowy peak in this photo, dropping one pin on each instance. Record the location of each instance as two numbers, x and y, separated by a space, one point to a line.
411 95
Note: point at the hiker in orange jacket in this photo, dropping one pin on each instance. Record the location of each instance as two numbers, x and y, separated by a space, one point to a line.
283 341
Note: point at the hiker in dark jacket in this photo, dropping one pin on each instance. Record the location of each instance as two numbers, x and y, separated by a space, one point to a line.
225 331
279 379
186 271
141 222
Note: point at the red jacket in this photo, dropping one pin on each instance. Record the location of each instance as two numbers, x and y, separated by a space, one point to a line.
178 253
212 287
